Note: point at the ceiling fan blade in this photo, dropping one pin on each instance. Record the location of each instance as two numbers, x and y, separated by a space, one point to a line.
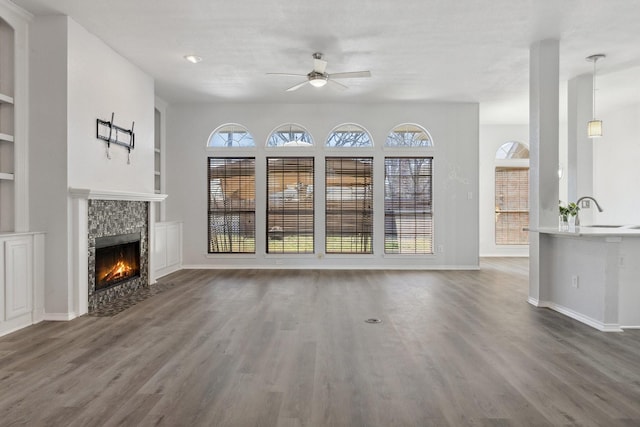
298 86
350 75
319 65
286 74
337 85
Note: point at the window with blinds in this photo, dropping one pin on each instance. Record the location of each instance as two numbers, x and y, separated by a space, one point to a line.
408 215
290 205
232 208
349 205
512 205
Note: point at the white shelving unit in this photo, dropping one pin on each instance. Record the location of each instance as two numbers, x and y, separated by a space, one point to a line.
7 161
157 155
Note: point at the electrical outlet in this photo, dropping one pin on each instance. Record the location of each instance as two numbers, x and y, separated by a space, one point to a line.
574 282
586 204
440 248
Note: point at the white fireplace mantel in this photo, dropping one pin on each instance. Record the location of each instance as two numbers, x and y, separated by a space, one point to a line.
78 290
86 193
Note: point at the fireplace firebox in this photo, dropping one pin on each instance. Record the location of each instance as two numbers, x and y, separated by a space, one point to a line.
117 259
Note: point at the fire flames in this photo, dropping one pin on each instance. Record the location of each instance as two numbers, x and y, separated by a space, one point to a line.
120 270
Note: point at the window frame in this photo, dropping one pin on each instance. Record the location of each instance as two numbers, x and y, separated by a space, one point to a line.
431 146
429 211
311 145
511 212
238 212
271 233
370 210
505 162
344 148
232 147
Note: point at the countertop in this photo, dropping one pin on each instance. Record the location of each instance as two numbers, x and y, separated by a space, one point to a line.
594 231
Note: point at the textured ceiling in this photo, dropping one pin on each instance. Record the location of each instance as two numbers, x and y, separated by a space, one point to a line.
416 50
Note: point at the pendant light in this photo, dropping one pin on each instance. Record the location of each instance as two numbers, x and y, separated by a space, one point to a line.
594 127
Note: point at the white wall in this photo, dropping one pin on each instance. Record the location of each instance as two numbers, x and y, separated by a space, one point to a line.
48 151
101 82
454 128
616 157
75 79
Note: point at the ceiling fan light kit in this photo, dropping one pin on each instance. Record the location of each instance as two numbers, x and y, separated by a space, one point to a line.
319 78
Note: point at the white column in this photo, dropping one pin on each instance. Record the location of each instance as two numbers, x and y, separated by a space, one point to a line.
79 289
544 90
580 147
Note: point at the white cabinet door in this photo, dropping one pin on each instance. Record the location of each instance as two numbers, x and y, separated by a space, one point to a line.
173 244
18 277
160 245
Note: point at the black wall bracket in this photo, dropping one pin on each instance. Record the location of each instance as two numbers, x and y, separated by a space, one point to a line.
112 134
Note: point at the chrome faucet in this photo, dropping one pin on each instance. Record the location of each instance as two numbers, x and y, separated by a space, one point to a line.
578 203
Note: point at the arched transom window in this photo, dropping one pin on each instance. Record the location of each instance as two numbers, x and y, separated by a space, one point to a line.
231 135
512 150
290 135
409 135
349 135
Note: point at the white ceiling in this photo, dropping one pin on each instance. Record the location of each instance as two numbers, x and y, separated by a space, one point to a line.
416 50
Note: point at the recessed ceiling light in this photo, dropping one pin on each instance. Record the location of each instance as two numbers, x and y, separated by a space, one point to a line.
194 59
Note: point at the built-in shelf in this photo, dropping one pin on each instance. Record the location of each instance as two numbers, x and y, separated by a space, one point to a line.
5 137
5 99
6 176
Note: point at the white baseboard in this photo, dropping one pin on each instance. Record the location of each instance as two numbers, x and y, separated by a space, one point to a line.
15 324
167 270
535 302
499 255
59 317
603 327
329 267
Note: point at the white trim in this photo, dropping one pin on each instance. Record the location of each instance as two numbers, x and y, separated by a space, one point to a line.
328 267
536 303
90 194
22 13
59 317
507 255
630 327
166 271
17 323
603 327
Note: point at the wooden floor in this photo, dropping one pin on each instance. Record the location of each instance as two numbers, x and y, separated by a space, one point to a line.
291 348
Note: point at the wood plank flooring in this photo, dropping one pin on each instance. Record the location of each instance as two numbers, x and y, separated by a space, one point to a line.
291 348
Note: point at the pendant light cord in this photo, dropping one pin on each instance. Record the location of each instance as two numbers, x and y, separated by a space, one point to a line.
594 87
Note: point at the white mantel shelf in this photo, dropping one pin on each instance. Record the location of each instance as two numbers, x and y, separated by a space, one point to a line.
86 193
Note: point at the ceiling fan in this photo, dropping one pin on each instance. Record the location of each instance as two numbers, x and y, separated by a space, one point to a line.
318 77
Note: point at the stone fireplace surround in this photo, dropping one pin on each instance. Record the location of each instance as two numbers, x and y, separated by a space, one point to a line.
110 210
112 218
